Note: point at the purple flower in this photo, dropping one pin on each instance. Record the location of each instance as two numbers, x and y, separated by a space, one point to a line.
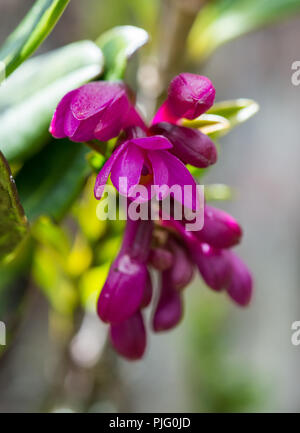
124 290
213 265
189 96
143 160
189 145
96 110
129 337
241 285
169 310
182 271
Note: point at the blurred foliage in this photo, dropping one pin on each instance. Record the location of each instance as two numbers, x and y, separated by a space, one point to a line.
33 91
219 21
13 223
50 181
219 383
31 32
118 45
223 117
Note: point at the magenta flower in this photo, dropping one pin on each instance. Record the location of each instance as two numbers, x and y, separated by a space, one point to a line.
189 145
129 337
125 288
143 160
169 310
189 96
94 111
241 285
220 229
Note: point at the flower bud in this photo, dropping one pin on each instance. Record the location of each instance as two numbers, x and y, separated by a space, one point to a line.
182 271
96 110
189 145
168 311
129 337
147 292
213 265
124 289
220 229
241 284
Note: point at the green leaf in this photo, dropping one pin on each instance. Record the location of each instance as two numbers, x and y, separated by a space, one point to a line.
223 116
29 97
49 182
30 33
118 45
235 111
223 20
13 223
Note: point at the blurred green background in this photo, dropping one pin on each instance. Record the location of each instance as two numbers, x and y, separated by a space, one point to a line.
220 358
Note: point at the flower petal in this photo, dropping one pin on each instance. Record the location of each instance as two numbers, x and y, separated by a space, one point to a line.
103 174
169 170
189 145
129 337
94 97
123 291
241 284
164 114
57 126
155 142
168 311
128 165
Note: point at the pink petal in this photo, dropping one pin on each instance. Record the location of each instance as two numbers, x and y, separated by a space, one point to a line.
94 97
129 337
168 311
164 114
57 126
128 165
103 174
169 170
241 285
134 118
155 142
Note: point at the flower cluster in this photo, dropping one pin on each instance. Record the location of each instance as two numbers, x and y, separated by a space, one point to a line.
155 156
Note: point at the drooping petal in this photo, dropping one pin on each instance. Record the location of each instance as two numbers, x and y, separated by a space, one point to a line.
94 97
213 264
129 337
182 271
241 285
189 145
170 171
190 95
127 166
57 125
104 173
123 291
155 142
169 309
220 229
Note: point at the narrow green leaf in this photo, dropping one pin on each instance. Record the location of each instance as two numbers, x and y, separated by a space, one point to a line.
13 223
30 33
29 97
223 116
49 182
222 20
235 111
118 45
